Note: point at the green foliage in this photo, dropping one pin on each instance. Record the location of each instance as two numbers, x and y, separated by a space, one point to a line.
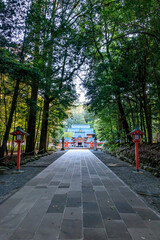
10 65
76 116
57 134
123 78
68 135
40 57
111 147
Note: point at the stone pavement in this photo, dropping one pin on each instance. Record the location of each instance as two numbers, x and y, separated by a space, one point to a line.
77 197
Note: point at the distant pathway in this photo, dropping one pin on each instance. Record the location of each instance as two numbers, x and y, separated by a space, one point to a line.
77 197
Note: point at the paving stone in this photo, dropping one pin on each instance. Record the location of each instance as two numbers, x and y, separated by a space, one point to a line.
73 213
49 228
7 206
124 207
34 181
35 194
154 226
74 194
89 197
118 182
110 213
92 220
98 188
68 200
92 171
11 221
56 208
90 207
27 228
110 174
22 207
95 234
64 185
75 187
71 229
62 191
41 186
23 192
96 182
106 203
116 195
131 197
73 202
58 177
142 233
147 214
86 189
132 220
57 204
48 179
103 195
117 238
59 198
87 184
117 229
5 233
49 192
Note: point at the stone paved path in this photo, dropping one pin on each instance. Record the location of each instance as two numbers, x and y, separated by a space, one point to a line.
77 197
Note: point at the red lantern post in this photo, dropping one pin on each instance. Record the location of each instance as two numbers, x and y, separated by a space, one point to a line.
136 134
19 133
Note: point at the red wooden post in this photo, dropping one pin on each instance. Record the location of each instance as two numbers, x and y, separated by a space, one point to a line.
137 156
136 134
19 133
18 155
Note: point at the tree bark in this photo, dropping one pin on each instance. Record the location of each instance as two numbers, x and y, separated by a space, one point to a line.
123 119
146 105
38 126
43 137
62 143
30 142
148 118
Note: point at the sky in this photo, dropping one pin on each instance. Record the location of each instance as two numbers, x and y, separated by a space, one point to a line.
80 91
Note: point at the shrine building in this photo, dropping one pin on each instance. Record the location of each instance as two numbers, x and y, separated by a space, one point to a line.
83 137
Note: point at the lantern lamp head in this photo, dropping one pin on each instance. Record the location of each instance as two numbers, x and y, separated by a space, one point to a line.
19 133
19 137
136 134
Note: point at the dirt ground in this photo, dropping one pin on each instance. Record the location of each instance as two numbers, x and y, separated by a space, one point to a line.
149 156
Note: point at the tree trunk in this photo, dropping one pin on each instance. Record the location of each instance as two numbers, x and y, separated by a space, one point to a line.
43 138
132 114
148 118
123 119
12 146
37 131
30 142
147 111
154 61
62 143
9 123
